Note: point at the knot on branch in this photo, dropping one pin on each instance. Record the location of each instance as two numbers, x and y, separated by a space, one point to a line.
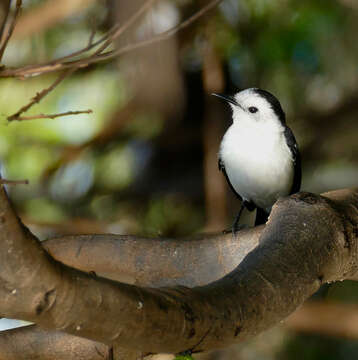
307 197
46 301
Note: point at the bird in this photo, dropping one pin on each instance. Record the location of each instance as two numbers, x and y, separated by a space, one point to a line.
258 154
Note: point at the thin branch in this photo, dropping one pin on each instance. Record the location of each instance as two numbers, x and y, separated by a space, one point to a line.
72 66
5 6
11 27
57 65
90 45
92 34
155 39
163 36
112 34
14 182
120 30
53 116
39 96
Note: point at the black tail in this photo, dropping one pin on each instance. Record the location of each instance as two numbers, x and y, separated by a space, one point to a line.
261 216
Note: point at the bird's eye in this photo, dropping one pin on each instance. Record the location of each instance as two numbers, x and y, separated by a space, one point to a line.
253 109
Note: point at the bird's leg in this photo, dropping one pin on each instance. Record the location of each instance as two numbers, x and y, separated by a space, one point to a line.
235 226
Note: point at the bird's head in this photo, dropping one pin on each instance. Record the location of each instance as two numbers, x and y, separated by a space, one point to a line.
256 108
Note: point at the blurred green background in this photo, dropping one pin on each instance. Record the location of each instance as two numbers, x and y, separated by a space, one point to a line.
145 161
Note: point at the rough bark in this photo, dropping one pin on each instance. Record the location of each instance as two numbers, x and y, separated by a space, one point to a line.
31 342
309 239
194 261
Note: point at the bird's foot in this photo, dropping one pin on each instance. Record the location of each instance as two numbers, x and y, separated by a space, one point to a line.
235 229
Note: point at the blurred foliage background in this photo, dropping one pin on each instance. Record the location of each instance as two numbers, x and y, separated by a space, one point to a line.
145 161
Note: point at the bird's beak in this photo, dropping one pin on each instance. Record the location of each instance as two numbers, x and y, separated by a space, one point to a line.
230 99
227 98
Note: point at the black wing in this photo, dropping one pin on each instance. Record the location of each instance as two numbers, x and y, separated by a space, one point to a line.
292 144
222 168
249 205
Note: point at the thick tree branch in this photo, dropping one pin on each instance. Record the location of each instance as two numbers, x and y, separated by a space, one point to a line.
308 240
155 262
32 343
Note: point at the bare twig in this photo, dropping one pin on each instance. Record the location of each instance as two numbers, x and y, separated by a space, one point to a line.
90 45
11 27
98 56
155 39
4 14
92 34
58 64
39 96
120 30
163 36
114 33
53 116
14 182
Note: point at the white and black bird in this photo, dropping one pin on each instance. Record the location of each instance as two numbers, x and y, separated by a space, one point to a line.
258 154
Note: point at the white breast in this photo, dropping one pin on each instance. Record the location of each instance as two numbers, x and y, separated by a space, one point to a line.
259 165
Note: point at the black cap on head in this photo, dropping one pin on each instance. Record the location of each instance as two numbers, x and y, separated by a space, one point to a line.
275 104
